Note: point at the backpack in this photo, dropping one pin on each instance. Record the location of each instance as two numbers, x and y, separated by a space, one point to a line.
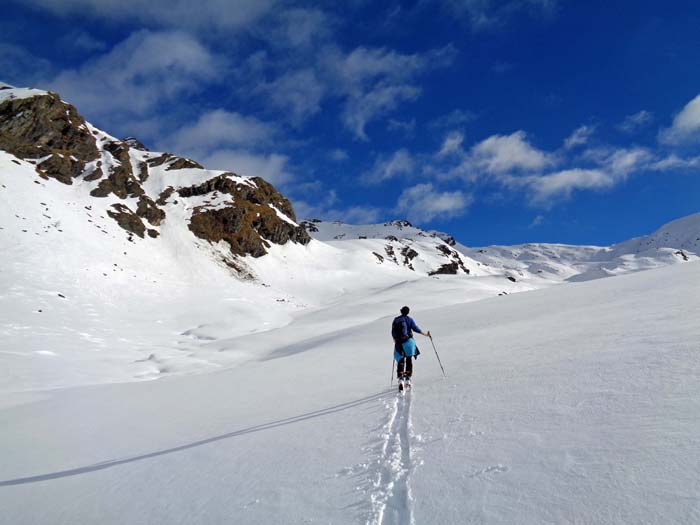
399 329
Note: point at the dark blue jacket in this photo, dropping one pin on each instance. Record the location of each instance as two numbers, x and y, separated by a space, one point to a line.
411 324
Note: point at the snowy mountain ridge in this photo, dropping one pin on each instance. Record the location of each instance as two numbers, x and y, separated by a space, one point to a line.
675 242
138 265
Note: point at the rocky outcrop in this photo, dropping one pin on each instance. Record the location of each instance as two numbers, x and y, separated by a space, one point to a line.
248 213
310 225
127 219
173 162
251 223
134 143
37 126
45 127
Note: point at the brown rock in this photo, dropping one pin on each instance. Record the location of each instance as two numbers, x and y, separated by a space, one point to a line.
249 224
127 219
148 210
37 126
62 167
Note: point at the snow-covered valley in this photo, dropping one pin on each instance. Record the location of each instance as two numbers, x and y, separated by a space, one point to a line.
576 403
158 368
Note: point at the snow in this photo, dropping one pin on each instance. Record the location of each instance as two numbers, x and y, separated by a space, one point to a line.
568 398
574 403
8 92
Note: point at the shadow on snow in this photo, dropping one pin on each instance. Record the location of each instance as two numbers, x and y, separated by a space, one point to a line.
257 428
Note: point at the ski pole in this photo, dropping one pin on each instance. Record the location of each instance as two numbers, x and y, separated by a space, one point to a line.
438 356
392 372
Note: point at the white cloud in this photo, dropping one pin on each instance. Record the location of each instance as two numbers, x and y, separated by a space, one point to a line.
624 161
452 145
500 154
297 93
224 140
218 128
271 167
613 167
138 74
185 14
424 203
635 122
374 81
579 137
400 163
363 107
674 162
685 127
544 189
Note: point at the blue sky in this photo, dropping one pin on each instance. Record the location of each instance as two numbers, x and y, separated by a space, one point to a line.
497 121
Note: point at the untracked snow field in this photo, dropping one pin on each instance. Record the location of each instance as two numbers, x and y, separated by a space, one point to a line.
577 403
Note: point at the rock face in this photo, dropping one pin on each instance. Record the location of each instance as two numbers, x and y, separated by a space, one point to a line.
45 127
246 212
252 222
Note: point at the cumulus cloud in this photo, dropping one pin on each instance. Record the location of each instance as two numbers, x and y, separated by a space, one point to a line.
635 122
225 140
579 137
219 128
505 153
385 168
272 167
138 74
424 203
685 127
612 167
544 189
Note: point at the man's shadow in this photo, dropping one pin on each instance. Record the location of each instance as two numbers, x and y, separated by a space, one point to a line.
257 428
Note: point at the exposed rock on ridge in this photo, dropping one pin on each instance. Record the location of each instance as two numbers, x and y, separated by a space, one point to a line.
248 213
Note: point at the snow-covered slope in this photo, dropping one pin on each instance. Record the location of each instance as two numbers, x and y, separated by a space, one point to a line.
398 243
675 242
573 404
124 264
538 263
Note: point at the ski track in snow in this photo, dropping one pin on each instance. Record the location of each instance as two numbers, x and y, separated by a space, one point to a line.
390 496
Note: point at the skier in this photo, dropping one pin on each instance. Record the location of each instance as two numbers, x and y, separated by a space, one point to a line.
402 328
